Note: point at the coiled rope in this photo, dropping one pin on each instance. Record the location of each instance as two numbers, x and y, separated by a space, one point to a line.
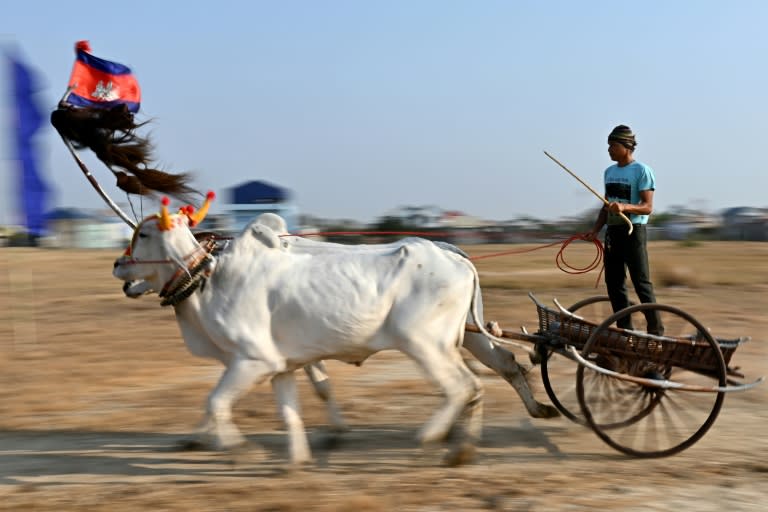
560 260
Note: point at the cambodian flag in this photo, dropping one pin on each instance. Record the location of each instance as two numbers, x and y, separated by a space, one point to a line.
101 83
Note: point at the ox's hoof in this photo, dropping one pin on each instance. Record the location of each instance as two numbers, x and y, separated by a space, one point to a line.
329 439
233 445
434 437
210 443
461 454
192 445
544 411
339 428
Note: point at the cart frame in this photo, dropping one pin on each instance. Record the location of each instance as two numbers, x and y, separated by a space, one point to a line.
637 371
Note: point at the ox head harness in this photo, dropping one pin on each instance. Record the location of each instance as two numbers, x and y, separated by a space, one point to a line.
193 269
190 277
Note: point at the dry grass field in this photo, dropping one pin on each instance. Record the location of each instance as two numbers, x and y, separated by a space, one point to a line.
97 390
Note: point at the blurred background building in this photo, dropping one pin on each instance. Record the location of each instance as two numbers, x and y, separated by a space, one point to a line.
248 200
71 227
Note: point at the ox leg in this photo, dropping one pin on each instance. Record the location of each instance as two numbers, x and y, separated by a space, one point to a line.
503 362
322 384
474 417
463 450
238 377
463 392
287 396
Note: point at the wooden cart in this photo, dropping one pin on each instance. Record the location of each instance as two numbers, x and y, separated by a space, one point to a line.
643 394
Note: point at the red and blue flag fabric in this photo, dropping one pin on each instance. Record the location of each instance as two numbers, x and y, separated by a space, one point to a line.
101 83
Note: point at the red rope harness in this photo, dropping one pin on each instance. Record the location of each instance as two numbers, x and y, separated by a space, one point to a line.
399 233
560 261
597 262
569 269
560 256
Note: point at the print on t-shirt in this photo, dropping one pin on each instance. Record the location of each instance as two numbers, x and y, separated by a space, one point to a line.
618 192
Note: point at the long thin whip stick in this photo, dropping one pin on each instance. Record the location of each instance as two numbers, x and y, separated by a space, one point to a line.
603 199
91 179
95 184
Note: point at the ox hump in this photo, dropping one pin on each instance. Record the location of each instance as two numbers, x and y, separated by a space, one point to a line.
263 234
273 221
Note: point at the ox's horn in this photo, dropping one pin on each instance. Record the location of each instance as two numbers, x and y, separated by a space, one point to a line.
197 217
164 222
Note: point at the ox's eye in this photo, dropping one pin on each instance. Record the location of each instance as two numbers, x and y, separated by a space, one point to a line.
143 235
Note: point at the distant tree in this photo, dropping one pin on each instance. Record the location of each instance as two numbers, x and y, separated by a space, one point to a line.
661 218
390 223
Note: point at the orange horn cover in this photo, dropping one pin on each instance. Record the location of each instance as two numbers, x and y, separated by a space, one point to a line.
164 221
197 217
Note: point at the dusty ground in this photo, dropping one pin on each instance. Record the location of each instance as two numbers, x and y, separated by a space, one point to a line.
96 390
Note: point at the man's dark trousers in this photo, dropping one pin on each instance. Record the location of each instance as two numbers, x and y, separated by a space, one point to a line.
629 252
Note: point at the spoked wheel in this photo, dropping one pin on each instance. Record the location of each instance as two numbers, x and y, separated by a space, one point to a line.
558 372
638 419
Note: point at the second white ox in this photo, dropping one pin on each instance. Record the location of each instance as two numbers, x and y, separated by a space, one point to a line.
265 311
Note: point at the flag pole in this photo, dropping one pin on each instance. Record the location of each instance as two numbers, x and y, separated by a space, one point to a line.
120 213
603 199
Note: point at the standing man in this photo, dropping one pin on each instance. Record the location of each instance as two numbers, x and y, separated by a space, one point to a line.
629 187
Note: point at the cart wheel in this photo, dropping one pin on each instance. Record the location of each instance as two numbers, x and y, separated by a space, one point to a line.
558 371
646 421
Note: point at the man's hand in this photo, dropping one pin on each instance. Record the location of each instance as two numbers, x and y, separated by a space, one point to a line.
590 235
615 207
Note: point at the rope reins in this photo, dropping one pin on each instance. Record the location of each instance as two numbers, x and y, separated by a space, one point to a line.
560 260
193 275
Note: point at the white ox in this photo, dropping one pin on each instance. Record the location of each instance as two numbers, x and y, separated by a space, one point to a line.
264 311
478 344
490 354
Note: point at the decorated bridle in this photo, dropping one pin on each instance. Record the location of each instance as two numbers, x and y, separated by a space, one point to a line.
194 268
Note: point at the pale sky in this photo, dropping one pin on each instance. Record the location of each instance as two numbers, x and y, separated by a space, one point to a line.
362 106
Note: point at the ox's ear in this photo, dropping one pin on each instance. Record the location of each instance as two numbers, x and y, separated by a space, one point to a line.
265 235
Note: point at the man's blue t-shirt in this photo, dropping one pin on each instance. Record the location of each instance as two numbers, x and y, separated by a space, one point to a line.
624 184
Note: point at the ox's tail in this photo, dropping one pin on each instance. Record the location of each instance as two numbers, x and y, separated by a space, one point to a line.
478 320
